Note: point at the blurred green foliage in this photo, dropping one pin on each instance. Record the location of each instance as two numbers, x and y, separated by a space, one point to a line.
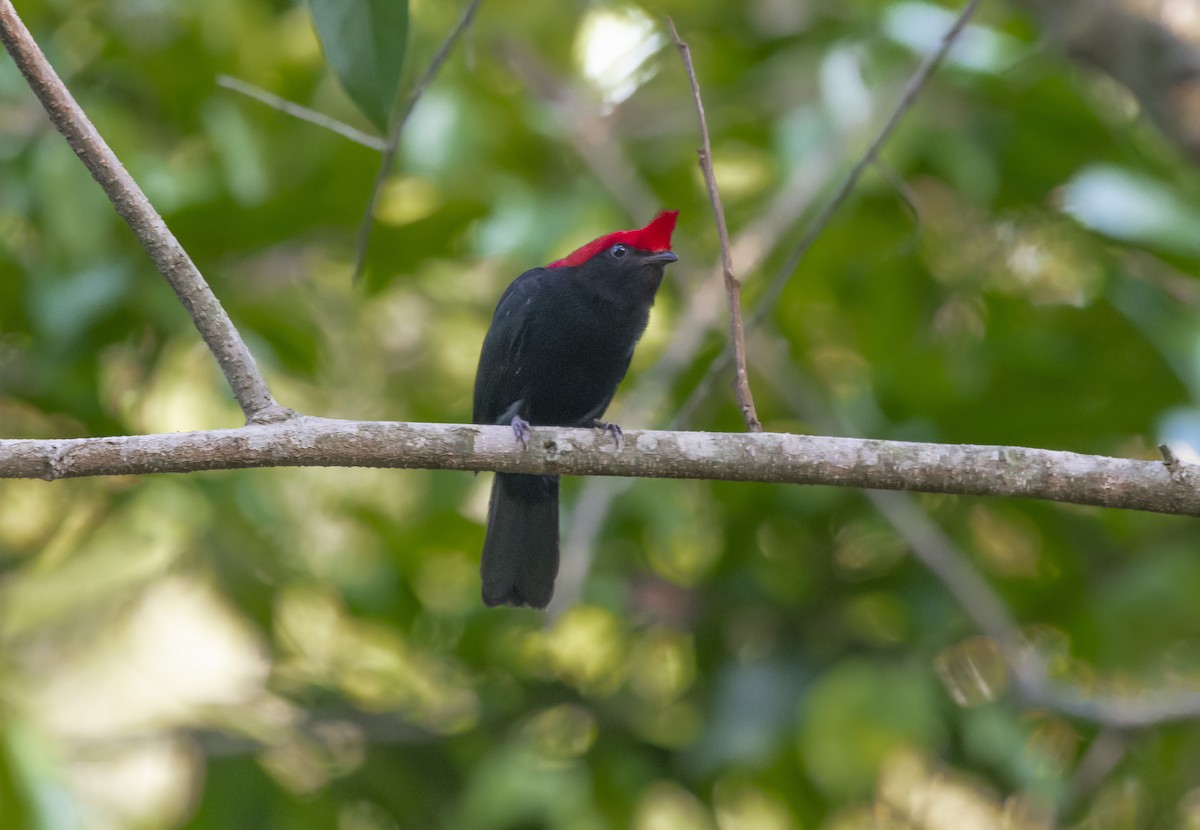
306 648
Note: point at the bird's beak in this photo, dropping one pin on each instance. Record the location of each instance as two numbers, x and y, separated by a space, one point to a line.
661 258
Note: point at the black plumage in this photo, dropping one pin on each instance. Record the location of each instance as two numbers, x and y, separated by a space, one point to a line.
560 341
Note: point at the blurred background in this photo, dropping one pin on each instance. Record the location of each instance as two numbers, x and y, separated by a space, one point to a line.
307 648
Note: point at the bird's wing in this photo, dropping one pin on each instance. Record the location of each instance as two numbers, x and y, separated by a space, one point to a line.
497 381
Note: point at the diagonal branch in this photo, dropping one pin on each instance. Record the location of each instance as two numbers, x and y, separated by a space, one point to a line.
131 203
733 287
397 128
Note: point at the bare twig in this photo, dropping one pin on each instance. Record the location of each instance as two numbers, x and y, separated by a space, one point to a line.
821 220
733 287
397 128
1169 457
131 203
302 112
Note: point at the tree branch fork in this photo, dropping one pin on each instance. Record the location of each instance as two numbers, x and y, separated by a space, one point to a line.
768 457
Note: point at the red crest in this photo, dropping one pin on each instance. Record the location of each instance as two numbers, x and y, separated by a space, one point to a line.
654 237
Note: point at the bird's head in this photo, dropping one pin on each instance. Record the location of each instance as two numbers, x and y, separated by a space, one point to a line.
626 251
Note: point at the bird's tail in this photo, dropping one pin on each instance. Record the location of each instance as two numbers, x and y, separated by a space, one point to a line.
520 553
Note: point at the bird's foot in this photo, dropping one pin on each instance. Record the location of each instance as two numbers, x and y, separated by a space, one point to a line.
520 428
618 435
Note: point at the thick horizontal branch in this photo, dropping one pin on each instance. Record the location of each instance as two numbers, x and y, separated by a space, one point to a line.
305 441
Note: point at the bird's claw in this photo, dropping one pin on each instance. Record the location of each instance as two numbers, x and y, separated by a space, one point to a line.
618 435
520 428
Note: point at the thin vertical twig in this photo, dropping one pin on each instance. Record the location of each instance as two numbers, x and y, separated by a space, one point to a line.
397 128
172 261
733 286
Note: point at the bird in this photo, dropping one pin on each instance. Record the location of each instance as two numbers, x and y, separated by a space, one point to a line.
560 341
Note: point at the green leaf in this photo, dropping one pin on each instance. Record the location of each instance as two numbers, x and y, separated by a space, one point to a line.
365 42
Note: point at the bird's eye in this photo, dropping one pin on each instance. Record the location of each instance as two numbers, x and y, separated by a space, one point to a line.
618 250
